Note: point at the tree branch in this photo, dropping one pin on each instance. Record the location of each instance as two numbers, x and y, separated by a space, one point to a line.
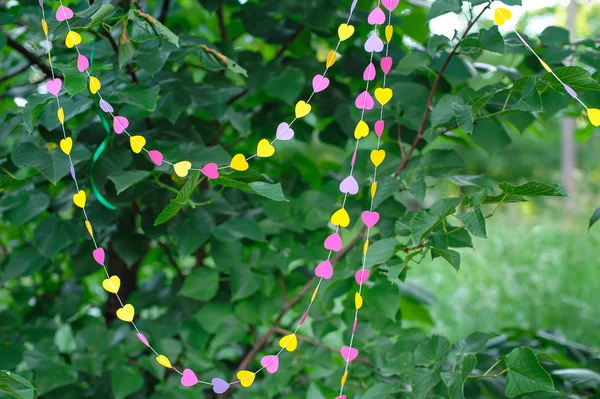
171 258
292 38
222 26
15 73
164 11
29 55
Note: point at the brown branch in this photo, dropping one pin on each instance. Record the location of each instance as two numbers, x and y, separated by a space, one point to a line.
222 26
402 151
15 73
214 52
171 258
237 96
29 55
164 11
292 38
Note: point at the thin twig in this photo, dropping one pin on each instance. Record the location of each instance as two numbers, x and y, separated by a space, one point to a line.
222 26
402 151
34 59
292 38
171 258
15 73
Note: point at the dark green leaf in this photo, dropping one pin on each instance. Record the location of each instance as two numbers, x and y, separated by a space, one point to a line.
127 178
455 380
475 222
581 378
533 189
594 218
525 374
432 350
202 284
449 256
441 7
235 229
464 117
423 380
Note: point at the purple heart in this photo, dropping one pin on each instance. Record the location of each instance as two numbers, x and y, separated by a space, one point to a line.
333 242
379 126
324 270
219 386
364 101
349 185
82 62
369 73
320 83
284 132
105 106
373 44
72 169
377 17
570 90
63 13
41 3
189 379
54 86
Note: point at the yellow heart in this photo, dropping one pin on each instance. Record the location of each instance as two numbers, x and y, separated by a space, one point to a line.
88 226
344 377
60 114
72 39
137 143
377 157
389 32
358 301
365 248
264 149
289 342
66 145
302 109
331 58
239 163
546 66
94 85
361 130
126 313
373 189
182 168
340 218
112 284
383 95
79 199
163 361
501 15
45 27
594 115
345 31
246 378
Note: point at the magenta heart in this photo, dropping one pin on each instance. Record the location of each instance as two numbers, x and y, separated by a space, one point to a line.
379 126
376 17
361 276
364 101
390 5
324 270
304 317
99 255
82 62
354 325
143 338
210 170
284 132
370 219
341 397
105 106
219 386
349 185
333 242
349 354
369 73
386 64
156 157
189 379
120 123
320 83
373 44
53 86
63 13
271 363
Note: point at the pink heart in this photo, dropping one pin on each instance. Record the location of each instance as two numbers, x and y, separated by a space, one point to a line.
341 397
189 379
304 317
271 363
333 242
284 132
377 17
320 83
219 386
143 338
349 185
353 161
361 276
210 170
120 123
379 126
63 13
99 255
390 5
82 62
370 219
364 101
324 270
369 73
156 157
349 354
373 44
54 86
386 64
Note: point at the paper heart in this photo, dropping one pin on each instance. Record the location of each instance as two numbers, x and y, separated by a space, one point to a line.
376 17
340 218
389 32
66 145
219 386
60 114
320 83
79 199
143 338
358 301
53 86
156 157
341 397
361 130
239 163
45 27
210 170
72 39
112 284
390 5
82 62
369 73
264 149
377 157
302 109
373 44
88 226
94 85
594 116
63 13
270 363
163 361
379 126
182 168
189 379
120 123
126 313
98 255
331 58
349 354
364 101
246 377
570 90
370 219
502 15
289 342
349 185
284 132
383 95
386 64
361 276
106 107
333 242
324 270
137 143
72 170
345 31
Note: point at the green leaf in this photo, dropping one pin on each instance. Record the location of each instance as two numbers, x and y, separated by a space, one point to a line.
377 391
492 40
475 222
533 189
525 374
8 377
383 299
180 200
202 284
271 191
394 271
381 251
19 394
32 110
530 100
432 350
423 380
455 380
125 381
236 229
126 53
166 33
286 85
464 117
236 68
140 96
581 378
444 109
441 7
244 283
435 43
578 78
472 345
141 29
23 263
8 183
53 165
449 256
103 12
127 178
53 235
594 218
